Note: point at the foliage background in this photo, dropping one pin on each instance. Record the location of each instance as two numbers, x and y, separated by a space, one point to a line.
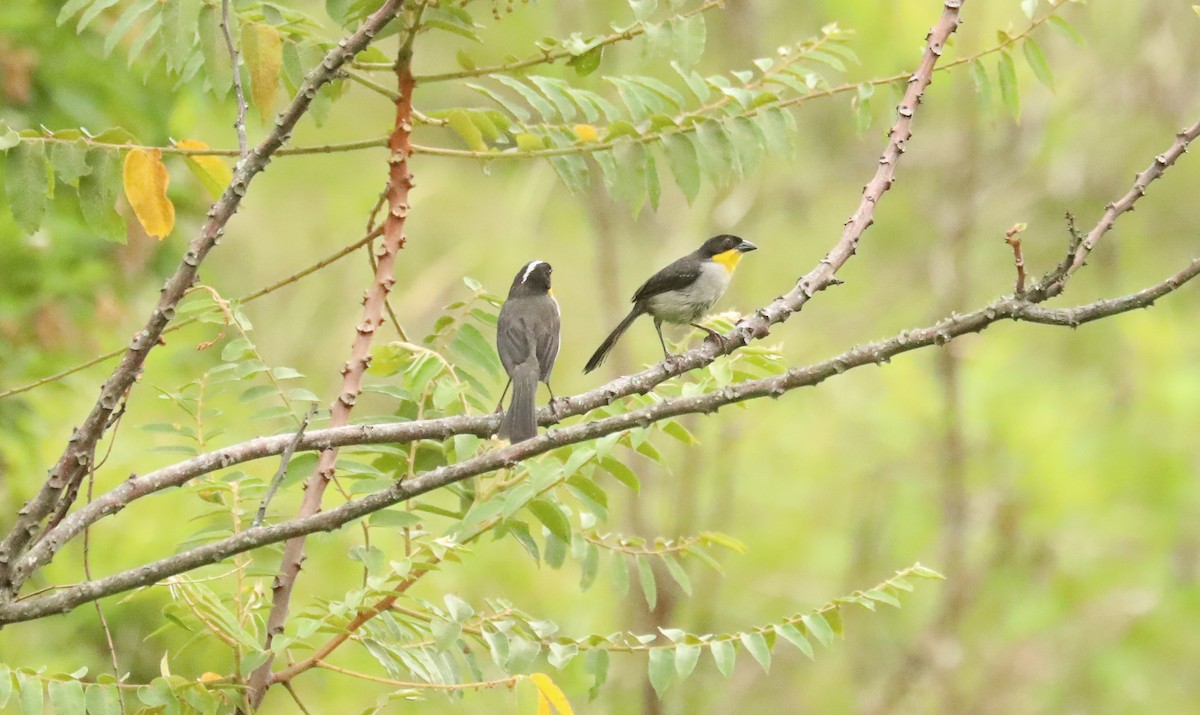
1073 555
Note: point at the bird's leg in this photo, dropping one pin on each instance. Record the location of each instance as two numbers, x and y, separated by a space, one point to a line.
714 335
555 402
672 360
500 404
662 341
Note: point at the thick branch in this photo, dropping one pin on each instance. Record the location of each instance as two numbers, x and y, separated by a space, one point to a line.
78 456
1006 308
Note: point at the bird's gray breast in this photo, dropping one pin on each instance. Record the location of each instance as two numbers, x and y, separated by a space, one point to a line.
687 305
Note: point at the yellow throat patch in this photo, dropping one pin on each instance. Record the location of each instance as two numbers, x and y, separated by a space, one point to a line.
729 259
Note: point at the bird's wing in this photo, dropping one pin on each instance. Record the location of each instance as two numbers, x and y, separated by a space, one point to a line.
676 276
548 338
512 339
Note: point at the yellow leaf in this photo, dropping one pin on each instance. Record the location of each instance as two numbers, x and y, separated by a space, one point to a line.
210 170
146 180
586 132
211 677
550 695
263 49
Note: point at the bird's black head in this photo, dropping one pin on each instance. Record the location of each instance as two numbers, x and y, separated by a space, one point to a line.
532 279
724 243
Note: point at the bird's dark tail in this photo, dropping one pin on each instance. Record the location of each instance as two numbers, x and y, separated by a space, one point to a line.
520 421
611 340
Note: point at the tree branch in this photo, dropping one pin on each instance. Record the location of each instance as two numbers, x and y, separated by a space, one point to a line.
79 452
1123 204
1005 308
239 124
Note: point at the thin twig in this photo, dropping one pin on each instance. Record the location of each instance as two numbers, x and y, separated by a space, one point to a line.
1010 237
284 459
240 123
296 697
87 574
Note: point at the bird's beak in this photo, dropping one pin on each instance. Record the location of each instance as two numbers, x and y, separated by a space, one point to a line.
745 246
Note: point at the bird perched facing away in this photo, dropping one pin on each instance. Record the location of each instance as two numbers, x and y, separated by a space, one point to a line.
683 291
527 338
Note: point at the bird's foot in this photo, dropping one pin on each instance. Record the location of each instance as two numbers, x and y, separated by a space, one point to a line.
556 404
713 335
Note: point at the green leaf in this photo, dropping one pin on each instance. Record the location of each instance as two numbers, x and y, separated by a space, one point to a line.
214 49
97 7
70 9
620 573
661 669
394 519
516 110
179 21
819 628
103 700
1007 73
793 635
6 685
69 160
595 663
589 565
26 183
557 92
461 123
571 168
459 609
66 696
31 695
1069 30
552 518
535 100
688 36
588 62
686 657
756 643
778 128
643 9
1037 62
983 87
685 167
717 155
677 572
861 104
649 585
882 597
724 653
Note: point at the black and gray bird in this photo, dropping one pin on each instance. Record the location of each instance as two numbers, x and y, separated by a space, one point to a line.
683 291
527 338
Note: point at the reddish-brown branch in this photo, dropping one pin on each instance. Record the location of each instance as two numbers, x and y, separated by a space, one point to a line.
400 182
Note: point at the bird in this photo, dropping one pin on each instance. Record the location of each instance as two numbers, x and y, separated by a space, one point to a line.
527 339
682 292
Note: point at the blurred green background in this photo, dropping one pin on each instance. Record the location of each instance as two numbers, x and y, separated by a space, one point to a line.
1050 474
